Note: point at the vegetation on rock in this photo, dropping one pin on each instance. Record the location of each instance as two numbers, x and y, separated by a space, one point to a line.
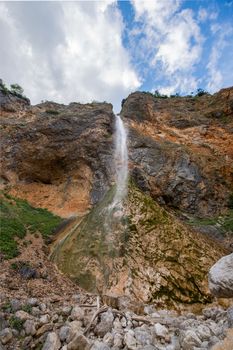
18 218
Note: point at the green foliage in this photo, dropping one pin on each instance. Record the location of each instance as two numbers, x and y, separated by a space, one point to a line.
3 87
52 111
157 94
27 308
230 201
17 218
16 323
223 222
201 92
16 89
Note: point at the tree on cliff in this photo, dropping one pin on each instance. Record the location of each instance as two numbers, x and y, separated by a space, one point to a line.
16 89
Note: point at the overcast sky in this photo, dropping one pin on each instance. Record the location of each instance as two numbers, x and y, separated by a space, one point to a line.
103 50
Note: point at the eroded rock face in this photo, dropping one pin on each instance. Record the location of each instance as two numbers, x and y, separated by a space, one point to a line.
221 277
181 150
140 251
57 156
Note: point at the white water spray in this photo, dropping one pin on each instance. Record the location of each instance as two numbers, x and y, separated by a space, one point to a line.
121 162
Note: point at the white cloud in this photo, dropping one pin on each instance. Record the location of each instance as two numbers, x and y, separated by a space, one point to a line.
202 14
173 40
216 74
66 51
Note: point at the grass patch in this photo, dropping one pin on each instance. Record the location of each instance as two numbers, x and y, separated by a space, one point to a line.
52 111
16 323
223 222
17 218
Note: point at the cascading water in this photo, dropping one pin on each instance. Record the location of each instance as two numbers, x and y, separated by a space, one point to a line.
121 163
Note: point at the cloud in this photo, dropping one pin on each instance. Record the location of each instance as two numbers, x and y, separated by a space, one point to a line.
202 14
173 41
221 46
66 51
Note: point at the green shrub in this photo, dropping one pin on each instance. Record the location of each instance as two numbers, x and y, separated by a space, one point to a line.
52 111
16 323
17 218
230 201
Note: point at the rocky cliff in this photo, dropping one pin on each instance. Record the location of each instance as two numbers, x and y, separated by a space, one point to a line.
180 150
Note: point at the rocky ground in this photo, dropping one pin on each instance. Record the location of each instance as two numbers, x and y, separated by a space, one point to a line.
42 309
81 323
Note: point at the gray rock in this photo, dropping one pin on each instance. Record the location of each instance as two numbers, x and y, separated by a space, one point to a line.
160 330
35 311
105 325
44 319
130 340
26 342
75 327
16 304
212 312
32 301
98 345
66 310
221 277
203 332
108 339
6 336
230 317
22 315
77 313
52 342
143 336
64 333
189 339
3 322
30 327
80 342
118 340
42 307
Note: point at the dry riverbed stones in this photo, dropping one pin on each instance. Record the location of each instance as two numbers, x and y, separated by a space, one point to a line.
68 325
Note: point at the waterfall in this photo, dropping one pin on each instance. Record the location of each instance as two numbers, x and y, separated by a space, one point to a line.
121 162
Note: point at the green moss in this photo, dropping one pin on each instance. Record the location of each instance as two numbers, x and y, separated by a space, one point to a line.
86 280
16 323
18 217
223 222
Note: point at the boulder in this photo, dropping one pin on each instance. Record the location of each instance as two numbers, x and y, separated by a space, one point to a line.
221 277
6 336
80 342
52 342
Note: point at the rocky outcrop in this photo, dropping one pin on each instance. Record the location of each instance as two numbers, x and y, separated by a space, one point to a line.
141 252
57 156
221 277
181 149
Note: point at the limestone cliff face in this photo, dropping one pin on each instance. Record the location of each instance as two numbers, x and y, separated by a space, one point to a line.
181 154
57 156
181 149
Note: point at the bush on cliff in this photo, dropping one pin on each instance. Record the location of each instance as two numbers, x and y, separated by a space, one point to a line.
17 218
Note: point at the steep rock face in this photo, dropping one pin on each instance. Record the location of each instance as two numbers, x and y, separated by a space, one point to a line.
57 156
140 251
181 149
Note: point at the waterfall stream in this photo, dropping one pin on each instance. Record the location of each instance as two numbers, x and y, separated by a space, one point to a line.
121 162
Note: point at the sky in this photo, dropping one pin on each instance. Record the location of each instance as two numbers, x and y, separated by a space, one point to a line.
86 51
